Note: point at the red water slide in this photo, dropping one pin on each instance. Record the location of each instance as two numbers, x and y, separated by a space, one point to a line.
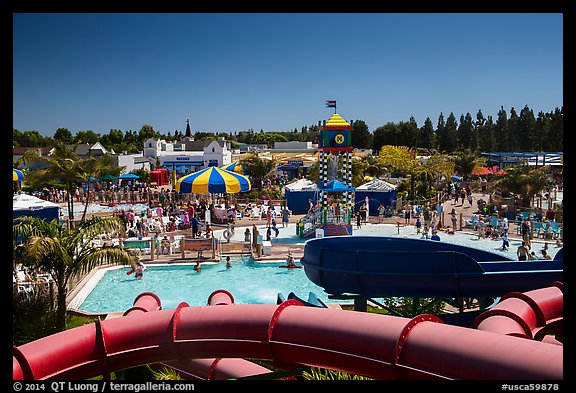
375 345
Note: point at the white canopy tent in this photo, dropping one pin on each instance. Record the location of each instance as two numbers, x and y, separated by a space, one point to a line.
28 205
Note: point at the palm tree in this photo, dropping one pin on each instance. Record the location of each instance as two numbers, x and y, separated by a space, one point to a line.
371 166
94 168
465 161
524 181
49 247
63 164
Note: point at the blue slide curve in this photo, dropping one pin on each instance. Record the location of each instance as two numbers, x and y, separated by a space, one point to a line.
379 266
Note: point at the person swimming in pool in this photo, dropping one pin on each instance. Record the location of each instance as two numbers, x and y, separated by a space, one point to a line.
290 260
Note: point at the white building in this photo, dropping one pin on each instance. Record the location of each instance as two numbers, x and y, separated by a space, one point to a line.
195 155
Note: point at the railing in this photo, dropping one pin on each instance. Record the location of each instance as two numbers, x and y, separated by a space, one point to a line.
315 219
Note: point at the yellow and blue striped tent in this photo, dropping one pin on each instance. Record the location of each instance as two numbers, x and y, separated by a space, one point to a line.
17 174
234 167
213 180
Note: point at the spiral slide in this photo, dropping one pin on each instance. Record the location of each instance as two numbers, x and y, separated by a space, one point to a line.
502 347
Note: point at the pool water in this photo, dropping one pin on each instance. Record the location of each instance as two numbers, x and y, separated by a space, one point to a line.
250 282
288 236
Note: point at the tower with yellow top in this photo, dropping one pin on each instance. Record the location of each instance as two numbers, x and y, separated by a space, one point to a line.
335 159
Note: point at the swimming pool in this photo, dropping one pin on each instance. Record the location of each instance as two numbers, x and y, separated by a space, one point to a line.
250 282
288 236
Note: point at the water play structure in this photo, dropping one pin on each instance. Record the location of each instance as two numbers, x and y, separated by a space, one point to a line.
210 342
334 216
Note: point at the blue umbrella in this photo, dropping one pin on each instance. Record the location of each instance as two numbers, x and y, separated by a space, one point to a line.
129 176
213 180
456 178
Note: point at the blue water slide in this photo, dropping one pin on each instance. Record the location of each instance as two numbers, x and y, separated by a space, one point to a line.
379 266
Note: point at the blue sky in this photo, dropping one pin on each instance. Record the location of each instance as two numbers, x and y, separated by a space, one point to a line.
233 72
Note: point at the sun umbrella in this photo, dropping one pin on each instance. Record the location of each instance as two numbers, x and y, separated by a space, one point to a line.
213 180
234 167
17 174
181 168
480 170
129 176
108 177
456 178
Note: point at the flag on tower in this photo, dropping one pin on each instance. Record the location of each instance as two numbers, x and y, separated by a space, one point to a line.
331 104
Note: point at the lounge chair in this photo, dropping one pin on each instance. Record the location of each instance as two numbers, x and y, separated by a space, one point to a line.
176 243
494 223
255 213
551 230
537 228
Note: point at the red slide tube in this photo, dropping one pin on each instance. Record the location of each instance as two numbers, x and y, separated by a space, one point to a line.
525 314
379 346
217 368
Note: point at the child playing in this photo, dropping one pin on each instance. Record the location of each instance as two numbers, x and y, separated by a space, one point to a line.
505 242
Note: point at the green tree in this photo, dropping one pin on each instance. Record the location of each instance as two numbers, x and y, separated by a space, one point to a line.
147 132
450 140
441 136
268 138
427 136
204 136
30 139
527 130
89 137
466 133
361 135
112 139
514 131
501 131
485 130
554 139
66 252
386 135
368 165
64 135
404 159
257 168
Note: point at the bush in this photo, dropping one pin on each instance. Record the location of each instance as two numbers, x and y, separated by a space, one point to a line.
32 315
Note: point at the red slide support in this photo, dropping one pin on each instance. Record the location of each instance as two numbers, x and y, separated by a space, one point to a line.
375 345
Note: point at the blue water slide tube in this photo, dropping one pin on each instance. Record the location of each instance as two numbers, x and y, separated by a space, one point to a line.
379 266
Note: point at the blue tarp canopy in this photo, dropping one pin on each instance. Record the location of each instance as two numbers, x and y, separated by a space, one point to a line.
298 193
336 186
129 176
378 192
